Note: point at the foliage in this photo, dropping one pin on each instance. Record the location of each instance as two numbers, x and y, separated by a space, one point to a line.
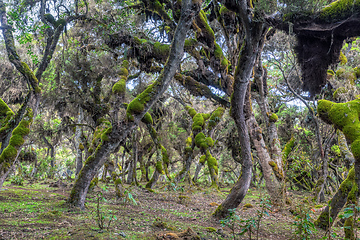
305 228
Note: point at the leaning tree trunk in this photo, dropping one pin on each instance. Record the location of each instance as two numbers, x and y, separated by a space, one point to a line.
339 199
120 131
255 33
345 116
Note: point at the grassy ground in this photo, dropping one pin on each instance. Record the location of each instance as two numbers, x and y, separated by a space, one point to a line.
37 211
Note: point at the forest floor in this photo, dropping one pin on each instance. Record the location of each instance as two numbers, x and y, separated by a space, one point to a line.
39 211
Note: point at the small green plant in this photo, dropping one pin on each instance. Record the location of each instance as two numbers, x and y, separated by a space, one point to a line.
249 226
305 228
103 220
231 221
17 180
129 198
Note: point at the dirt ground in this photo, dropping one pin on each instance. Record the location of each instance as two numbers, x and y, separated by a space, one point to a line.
38 211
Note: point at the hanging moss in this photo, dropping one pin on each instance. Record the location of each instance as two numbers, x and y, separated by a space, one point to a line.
287 149
215 117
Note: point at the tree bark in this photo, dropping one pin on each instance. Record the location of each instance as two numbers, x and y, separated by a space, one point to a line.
79 151
272 184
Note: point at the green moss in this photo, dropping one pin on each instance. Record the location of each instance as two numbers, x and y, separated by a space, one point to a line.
104 135
339 10
188 149
206 116
339 92
147 119
165 155
248 205
138 104
357 72
30 75
203 29
200 139
159 167
190 43
191 111
119 87
209 141
9 154
215 118
161 50
123 72
189 141
198 122
223 10
330 72
202 159
81 146
342 58
61 22
323 109
212 164
210 229
287 149
272 117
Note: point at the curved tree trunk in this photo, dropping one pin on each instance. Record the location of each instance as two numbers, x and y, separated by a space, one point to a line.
249 51
121 130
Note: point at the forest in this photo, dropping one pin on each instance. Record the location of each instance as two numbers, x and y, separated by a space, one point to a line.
180 119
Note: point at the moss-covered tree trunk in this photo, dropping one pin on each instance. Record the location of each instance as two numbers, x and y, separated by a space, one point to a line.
131 177
340 198
144 102
345 116
255 33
